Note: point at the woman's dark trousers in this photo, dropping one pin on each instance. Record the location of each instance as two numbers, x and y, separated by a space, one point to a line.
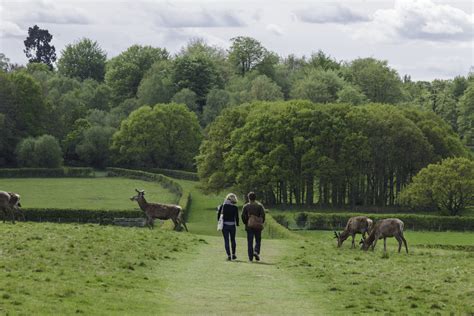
229 232
251 234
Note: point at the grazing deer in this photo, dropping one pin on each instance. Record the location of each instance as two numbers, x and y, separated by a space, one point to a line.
10 202
390 227
357 224
160 211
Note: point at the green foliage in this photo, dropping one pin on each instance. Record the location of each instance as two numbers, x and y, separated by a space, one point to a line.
216 101
448 186
157 85
165 136
321 86
466 117
38 48
125 71
376 80
4 62
84 59
187 97
42 152
176 174
302 153
264 89
94 146
351 95
46 172
245 54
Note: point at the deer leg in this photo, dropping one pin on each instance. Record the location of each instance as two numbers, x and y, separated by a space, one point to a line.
13 215
175 222
374 243
405 242
385 244
399 243
353 241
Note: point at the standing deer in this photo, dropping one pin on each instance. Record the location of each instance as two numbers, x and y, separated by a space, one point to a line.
160 211
357 224
10 202
390 227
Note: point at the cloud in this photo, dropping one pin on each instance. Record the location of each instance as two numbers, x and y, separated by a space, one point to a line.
330 13
10 30
420 20
275 29
199 17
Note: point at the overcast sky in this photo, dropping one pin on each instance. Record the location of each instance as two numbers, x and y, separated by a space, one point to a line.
426 39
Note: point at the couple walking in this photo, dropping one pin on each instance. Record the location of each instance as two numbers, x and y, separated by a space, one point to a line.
253 216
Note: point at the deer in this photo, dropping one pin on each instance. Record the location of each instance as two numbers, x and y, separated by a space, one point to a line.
160 211
390 227
357 224
10 202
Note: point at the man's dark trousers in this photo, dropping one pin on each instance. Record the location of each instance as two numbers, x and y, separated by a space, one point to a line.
258 238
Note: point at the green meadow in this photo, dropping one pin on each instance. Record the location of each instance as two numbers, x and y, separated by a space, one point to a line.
100 270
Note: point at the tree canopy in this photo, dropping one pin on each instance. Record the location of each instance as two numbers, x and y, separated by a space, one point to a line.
38 48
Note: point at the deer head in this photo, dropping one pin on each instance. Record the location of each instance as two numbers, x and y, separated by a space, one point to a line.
140 194
338 237
364 244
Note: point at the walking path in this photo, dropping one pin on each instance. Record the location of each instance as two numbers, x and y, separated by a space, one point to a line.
204 283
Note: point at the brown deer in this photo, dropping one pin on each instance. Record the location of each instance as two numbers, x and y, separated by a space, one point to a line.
10 203
160 211
390 227
357 224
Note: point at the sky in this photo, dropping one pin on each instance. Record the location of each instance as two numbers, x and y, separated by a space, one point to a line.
426 39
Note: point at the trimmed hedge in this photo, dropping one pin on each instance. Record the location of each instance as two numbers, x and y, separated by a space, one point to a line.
330 221
177 174
77 216
47 172
274 229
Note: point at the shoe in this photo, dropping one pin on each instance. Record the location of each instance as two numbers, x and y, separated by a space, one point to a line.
257 256
228 258
234 257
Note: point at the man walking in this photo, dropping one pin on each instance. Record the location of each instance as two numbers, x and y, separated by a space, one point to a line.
253 216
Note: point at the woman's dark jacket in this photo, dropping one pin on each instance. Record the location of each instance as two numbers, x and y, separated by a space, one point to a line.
231 213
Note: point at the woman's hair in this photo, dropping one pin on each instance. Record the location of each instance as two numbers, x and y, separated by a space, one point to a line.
231 197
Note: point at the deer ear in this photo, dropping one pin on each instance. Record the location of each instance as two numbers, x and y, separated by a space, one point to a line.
137 190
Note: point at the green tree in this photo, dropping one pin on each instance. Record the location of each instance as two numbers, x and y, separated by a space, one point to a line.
264 89
41 152
157 85
188 98
4 62
25 153
318 86
466 116
351 95
216 101
38 48
84 59
320 60
125 71
246 53
166 136
377 81
447 186
94 146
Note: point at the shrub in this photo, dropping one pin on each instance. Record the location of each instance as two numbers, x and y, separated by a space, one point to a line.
42 152
301 219
46 172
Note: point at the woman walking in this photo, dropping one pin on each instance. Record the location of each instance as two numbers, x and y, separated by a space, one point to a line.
230 214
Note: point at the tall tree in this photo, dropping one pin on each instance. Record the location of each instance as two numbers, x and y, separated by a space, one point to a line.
38 48
83 59
246 53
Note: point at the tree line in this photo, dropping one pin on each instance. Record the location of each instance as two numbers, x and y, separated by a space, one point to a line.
303 153
147 107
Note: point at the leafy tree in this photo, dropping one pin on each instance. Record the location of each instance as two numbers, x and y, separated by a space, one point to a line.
198 73
73 138
94 146
264 89
350 94
125 71
83 59
318 86
25 153
216 101
157 85
4 62
167 136
322 61
447 186
38 48
41 152
466 116
376 80
188 98
246 53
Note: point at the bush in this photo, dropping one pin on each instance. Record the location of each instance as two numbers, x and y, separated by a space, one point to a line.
41 152
80 216
178 174
47 173
301 219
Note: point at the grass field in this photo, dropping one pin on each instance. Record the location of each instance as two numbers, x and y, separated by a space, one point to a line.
84 193
64 269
